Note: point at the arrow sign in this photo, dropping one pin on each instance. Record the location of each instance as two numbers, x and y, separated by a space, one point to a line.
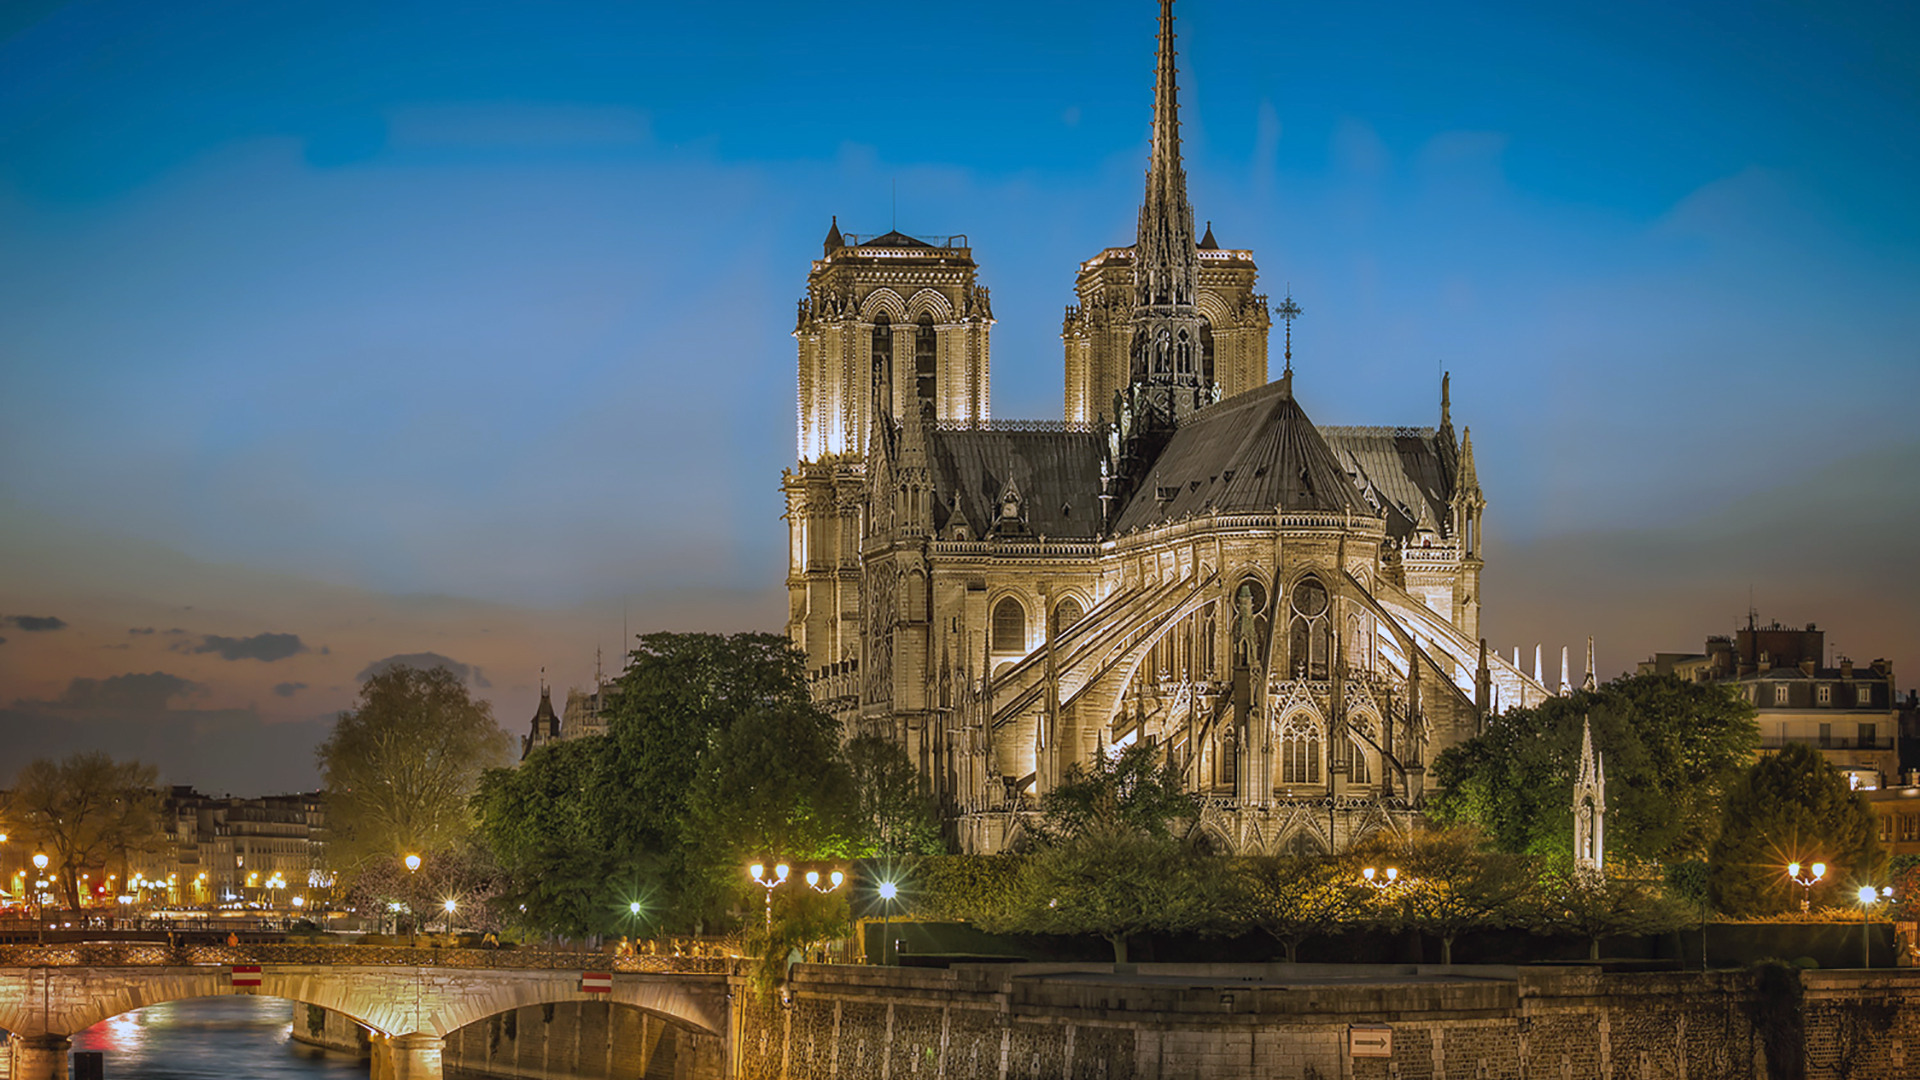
596 982
244 974
1369 1041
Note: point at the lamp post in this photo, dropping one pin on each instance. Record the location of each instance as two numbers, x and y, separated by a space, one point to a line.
451 907
413 866
1381 883
1806 883
39 901
888 890
769 883
1867 895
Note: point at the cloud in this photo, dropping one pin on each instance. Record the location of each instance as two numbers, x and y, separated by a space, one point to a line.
288 689
118 693
264 647
424 661
3 641
35 622
216 750
139 629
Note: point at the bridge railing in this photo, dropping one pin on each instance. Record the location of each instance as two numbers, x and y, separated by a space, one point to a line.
134 954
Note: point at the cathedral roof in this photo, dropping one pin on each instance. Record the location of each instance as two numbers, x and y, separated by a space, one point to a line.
1057 474
895 239
1246 455
1402 466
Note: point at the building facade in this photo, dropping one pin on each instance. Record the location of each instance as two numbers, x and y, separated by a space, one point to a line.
1849 712
1289 613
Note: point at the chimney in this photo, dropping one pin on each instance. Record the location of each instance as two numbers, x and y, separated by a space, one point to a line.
1846 668
1806 668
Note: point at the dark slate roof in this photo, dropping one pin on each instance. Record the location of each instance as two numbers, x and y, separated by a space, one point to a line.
1403 467
1057 472
895 239
1249 454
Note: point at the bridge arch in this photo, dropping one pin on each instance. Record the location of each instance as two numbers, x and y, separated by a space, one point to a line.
34 1001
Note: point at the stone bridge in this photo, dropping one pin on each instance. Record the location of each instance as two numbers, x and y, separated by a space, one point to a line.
409 999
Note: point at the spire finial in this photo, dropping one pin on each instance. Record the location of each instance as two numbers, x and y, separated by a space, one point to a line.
1288 311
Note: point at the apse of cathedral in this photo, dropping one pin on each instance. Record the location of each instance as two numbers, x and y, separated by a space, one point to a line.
1288 613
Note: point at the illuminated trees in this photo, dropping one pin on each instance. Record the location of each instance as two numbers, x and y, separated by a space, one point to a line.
86 808
1791 806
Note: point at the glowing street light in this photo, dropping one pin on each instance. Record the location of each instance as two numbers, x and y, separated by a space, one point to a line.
1867 895
1381 882
769 883
1806 883
888 890
413 865
450 907
813 881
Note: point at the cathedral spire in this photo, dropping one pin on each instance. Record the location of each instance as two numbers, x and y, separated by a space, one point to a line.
1589 806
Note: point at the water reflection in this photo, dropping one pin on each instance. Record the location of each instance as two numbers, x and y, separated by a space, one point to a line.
224 1037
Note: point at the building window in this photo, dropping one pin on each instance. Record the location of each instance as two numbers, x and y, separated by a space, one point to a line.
1780 693
1300 752
1358 773
1312 635
926 371
1009 626
1826 736
1865 697
1869 735
1824 694
1065 614
1910 827
1227 762
1886 828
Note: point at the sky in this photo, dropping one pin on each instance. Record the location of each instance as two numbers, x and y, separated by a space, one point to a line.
338 334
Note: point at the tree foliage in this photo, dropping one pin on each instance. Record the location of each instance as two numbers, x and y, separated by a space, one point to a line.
401 767
1792 806
86 809
1133 791
896 813
1292 898
1595 906
1450 882
1116 883
539 822
1671 750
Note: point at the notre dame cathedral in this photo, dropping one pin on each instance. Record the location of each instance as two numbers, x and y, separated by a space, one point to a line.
1290 613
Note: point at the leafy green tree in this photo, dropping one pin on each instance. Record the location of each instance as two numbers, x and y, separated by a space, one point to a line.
1671 749
1116 883
897 814
1791 806
1449 884
1134 791
86 809
539 821
1293 898
1595 906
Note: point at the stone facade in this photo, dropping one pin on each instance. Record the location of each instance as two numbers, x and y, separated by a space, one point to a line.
1290 613
1291 1022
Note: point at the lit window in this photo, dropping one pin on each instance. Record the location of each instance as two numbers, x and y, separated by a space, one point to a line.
1865 695
1780 693
1824 694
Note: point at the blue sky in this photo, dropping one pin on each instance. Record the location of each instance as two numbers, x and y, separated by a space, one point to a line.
464 328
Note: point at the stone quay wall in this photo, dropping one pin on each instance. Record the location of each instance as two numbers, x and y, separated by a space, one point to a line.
1279 1022
567 1040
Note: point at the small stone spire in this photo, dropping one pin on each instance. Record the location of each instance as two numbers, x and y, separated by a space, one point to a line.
834 242
1566 678
1538 676
1589 806
1591 684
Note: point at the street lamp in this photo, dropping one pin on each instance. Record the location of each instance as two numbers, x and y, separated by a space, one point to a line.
813 881
1806 883
450 906
888 890
1381 883
413 865
39 898
760 878
1867 895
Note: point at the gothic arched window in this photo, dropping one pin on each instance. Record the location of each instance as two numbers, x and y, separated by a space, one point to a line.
1206 351
926 371
1357 773
1183 354
882 357
1065 614
1300 751
1310 632
1009 626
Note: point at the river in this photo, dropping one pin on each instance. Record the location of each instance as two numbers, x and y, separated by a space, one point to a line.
230 1038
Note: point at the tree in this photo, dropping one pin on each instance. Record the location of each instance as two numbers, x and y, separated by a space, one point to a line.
86 808
1293 898
1449 884
1116 883
1595 906
897 814
1133 791
401 767
1671 750
1791 806
538 821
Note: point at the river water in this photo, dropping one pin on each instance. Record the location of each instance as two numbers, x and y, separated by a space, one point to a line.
230 1038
